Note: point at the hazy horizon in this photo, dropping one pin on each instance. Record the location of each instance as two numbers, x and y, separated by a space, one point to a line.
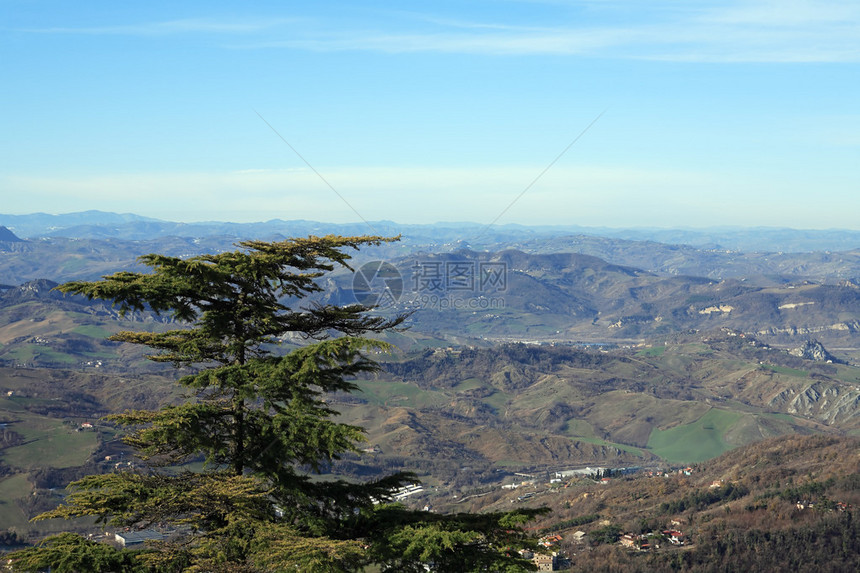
680 228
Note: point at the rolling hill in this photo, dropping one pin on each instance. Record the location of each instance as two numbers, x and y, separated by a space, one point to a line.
782 504
576 297
581 361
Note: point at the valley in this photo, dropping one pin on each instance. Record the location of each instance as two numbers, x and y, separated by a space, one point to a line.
579 363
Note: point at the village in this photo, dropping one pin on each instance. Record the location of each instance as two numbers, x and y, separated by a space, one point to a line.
552 557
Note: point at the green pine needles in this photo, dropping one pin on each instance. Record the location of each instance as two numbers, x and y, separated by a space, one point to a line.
261 421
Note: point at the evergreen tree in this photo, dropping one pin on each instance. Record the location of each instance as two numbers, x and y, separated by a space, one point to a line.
261 421
71 553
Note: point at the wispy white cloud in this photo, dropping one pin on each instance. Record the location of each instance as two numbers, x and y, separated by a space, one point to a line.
704 30
558 42
173 27
746 31
784 13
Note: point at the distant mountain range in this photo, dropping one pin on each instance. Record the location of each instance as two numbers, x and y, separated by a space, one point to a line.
526 351
103 225
565 297
564 288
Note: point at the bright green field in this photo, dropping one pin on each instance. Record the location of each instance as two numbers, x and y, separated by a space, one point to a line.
468 384
786 370
497 400
656 351
386 393
49 442
12 517
34 352
581 431
12 488
695 442
92 331
623 447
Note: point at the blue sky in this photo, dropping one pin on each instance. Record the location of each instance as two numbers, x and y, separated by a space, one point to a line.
713 113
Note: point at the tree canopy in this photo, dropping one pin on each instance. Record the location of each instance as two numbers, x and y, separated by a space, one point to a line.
259 418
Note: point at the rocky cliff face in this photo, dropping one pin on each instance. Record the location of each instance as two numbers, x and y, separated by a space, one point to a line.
40 289
813 350
8 236
826 402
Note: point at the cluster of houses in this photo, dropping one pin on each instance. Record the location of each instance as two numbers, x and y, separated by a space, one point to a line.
543 561
646 542
660 473
839 506
675 537
548 561
632 541
402 493
600 475
119 464
552 559
406 491
137 538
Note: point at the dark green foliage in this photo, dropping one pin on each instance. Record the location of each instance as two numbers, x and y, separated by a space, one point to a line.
702 499
810 491
813 490
262 422
457 542
568 523
831 544
599 475
71 553
607 534
10 538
